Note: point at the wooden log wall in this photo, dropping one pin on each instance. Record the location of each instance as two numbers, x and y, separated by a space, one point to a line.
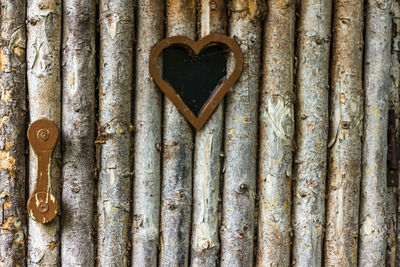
291 169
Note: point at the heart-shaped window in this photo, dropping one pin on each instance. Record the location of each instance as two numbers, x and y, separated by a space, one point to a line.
194 77
194 73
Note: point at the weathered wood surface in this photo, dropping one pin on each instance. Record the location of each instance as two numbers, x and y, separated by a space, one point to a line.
177 156
392 218
372 245
276 135
314 35
114 136
147 127
207 160
44 89
170 196
78 133
12 133
391 222
241 119
344 157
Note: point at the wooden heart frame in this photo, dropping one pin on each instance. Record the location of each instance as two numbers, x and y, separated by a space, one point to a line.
196 47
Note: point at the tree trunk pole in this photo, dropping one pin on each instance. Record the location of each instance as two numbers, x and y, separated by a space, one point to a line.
115 86
394 103
312 132
344 175
176 192
372 243
147 163
44 85
78 131
12 133
206 174
276 136
239 191
390 218
392 249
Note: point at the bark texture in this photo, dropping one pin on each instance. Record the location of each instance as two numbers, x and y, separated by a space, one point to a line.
44 88
78 131
115 86
239 190
12 132
147 163
276 135
372 243
314 31
392 248
390 219
341 240
394 103
176 196
207 164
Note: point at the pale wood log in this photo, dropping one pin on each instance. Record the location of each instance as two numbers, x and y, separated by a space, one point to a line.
114 136
314 35
147 125
44 87
241 127
207 163
176 191
276 135
12 133
78 133
392 247
344 157
372 244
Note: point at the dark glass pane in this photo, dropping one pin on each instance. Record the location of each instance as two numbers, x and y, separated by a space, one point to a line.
193 77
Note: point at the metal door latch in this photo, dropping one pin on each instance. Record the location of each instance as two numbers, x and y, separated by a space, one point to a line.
43 136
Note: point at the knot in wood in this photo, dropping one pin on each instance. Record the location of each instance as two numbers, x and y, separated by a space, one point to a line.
345 125
213 5
171 206
206 244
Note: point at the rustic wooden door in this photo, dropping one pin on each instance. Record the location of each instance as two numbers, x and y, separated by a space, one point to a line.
297 166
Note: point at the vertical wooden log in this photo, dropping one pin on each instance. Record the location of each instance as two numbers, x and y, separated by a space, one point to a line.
78 130
12 132
147 164
394 103
392 217
376 85
341 240
239 189
391 220
312 131
276 135
44 87
392 249
176 192
206 174
115 85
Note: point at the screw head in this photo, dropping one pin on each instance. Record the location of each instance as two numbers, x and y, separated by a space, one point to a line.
43 207
43 134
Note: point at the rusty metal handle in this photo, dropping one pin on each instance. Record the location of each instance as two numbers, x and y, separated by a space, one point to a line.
43 136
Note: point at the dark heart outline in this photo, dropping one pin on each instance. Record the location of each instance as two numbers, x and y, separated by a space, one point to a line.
209 107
